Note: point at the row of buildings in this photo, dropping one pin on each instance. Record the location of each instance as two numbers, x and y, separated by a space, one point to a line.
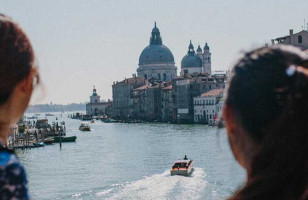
156 93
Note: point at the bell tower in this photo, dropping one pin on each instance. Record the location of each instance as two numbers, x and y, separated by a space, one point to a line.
206 59
94 98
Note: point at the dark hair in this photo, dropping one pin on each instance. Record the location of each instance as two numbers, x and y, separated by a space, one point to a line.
270 98
16 56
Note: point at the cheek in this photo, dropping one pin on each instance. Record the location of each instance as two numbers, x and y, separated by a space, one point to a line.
235 150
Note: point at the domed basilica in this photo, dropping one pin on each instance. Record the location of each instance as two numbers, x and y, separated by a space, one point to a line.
156 60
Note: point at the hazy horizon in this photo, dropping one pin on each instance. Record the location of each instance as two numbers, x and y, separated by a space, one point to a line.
79 44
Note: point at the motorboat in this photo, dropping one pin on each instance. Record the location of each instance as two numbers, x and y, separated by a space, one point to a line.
182 167
84 127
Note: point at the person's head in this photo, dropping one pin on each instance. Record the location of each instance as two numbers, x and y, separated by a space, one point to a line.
18 73
266 116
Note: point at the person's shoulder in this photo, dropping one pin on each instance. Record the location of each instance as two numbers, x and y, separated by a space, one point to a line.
7 158
12 177
14 171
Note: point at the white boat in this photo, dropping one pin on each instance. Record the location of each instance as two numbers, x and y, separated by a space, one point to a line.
182 167
84 127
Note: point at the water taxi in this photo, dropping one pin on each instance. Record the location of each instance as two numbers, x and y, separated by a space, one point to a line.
84 127
182 167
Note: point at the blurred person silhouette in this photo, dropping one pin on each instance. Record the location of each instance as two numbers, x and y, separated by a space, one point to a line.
266 117
18 78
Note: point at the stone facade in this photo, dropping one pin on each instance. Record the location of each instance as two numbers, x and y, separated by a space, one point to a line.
207 106
167 103
122 94
147 102
185 88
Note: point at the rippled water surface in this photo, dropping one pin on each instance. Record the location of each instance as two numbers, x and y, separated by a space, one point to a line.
132 161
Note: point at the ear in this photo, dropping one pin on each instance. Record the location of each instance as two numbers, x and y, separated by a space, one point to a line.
26 85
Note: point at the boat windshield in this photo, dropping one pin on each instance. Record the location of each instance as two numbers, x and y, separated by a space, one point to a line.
179 165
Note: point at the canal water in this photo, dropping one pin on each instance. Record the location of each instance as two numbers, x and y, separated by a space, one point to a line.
132 161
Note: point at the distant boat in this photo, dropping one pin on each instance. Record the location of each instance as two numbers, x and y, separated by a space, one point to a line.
86 118
49 140
39 144
182 167
92 121
48 114
109 120
33 117
65 139
84 127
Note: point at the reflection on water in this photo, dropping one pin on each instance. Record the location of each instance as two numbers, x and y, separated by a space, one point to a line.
132 161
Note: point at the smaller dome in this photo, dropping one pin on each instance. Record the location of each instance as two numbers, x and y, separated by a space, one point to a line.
206 47
191 61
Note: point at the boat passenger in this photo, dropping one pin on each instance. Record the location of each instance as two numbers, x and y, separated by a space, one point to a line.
266 115
18 78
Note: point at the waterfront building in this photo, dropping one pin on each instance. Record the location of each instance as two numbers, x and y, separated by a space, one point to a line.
182 100
186 87
96 107
122 94
147 101
207 106
156 60
167 103
197 62
299 39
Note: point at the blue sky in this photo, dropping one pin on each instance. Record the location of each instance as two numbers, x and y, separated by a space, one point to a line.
82 43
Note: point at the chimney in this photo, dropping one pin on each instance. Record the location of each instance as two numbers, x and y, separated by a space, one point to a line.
291 36
266 44
273 42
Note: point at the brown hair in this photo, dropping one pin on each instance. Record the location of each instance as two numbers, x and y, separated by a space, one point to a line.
270 98
16 56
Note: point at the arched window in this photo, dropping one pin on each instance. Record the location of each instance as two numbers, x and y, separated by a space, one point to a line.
146 76
159 77
300 39
165 76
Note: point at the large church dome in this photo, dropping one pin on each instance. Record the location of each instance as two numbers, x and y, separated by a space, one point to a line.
191 60
156 52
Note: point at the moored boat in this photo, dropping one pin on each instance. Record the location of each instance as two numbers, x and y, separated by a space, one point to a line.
65 139
84 127
39 144
182 167
49 140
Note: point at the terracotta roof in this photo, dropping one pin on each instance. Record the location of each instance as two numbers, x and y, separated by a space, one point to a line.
143 87
168 87
211 93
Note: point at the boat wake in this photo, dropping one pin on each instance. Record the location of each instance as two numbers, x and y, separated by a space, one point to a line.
159 186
